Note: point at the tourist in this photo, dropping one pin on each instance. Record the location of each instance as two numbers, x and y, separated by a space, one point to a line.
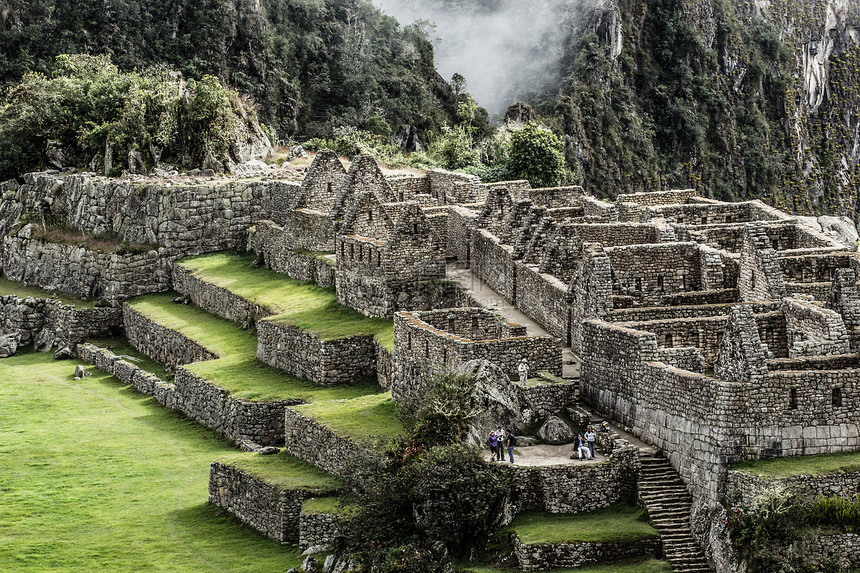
512 441
523 370
590 437
492 441
582 446
500 441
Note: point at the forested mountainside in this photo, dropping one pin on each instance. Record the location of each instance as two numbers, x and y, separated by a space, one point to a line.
309 64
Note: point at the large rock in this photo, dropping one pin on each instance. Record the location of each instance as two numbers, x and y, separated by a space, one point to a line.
841 229
495 399
9 344
252 168
555 430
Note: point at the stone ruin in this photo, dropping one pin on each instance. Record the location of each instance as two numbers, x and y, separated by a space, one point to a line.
714 331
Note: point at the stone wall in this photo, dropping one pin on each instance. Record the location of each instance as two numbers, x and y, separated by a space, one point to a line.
216 300
320 530
813 331
272 511
543 298
309 230
185 218
268 240
52 323
576 488
650 272
449 187
161 343
81 272
594 207
652 198
544 557
746 486
493 263
462 223
412 188
325 362
554 197
545 400
710 214
319 446
141 380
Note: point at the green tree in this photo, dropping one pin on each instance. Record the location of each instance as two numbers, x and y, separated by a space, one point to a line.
536 155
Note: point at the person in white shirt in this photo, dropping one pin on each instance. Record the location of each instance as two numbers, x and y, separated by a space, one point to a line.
590 437
523 370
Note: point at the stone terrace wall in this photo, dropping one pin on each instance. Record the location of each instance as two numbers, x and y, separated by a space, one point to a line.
709 214
547 399
160 343
545 557
186 219
55 323
576 488
747 485
309 230
319 446
81 272
320 530
270 510
268 240
216 300
652 198
593 207
554 197
141 380
325 362
813 268
618 234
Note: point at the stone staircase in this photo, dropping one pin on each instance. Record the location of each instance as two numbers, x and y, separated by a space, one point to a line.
668 501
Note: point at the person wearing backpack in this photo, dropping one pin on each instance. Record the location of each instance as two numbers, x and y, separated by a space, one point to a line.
512 441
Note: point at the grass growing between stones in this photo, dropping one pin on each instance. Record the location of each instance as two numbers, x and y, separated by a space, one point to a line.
283 471
300 304
237 370
616 524
365 419
631 566
22 291
803 465
98 477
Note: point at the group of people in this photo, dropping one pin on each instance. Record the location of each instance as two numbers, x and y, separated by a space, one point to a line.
498 440
585 443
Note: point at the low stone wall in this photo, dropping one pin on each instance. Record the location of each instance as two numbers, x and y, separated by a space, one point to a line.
216 300
309 441
81 272
143 381
52 323
268 509
547 399
543 557
746 485
324 362
240 421
160 343
575 488
319 530
270 241
844 548
384 366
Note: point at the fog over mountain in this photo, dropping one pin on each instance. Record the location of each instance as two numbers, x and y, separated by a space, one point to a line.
506 49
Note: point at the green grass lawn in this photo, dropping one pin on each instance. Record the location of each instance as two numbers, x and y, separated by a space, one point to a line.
98 477
618 523
237 370
330 504
363 419
803 465
296 303
16 288
632 566
283 471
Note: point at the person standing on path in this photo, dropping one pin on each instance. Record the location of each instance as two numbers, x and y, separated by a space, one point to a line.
590 437
494 444
512 441
523 370
500 440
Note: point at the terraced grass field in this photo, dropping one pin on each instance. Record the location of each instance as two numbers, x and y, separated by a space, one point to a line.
237 369
803 465
18 289
98 477
618 523
296 303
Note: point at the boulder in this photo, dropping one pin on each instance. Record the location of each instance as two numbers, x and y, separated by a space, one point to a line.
211 162
252 168
840 228
54 153
64 353
555 430
810 222
9 344
135 161
496 400
311 565
268 451
44 341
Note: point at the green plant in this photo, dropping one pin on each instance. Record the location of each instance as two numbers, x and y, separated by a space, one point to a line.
536 155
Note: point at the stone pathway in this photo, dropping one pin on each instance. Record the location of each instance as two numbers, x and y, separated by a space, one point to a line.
492 300
547 455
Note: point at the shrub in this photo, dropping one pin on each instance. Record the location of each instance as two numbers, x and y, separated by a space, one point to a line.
536 155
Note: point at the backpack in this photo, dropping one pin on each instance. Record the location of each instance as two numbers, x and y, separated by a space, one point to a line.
513 440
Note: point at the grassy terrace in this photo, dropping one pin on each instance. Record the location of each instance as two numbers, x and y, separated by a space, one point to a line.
619 523
18 289
326 505
121 347
97 477
284 472
633 566
363 420
295 303
803 465
237 370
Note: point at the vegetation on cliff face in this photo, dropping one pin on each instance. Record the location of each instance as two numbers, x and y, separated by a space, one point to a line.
311 65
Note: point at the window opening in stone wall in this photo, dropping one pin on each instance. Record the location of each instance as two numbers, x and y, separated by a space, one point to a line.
415 229
409 340
474 324
445 355
752 281
728 218
792 399
639 284
426 349
360 252
370 216
683 283
836 398
669 340
660 283
705 220
378 259
328 187
351 251
451 324
774 243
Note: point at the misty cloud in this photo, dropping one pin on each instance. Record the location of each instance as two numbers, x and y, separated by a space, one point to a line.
506 49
